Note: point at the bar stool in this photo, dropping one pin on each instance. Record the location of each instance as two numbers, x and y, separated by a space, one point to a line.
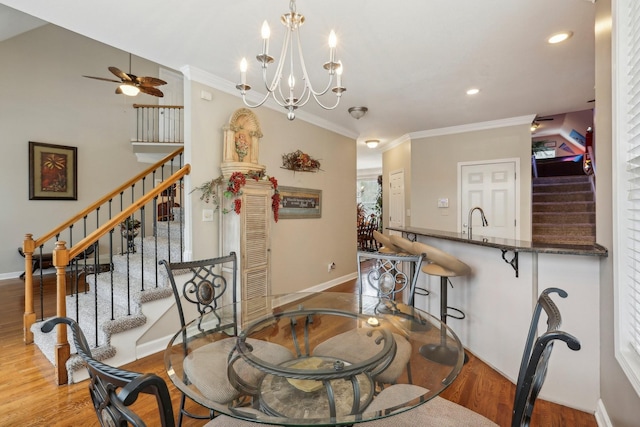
387 246
445 266
407 246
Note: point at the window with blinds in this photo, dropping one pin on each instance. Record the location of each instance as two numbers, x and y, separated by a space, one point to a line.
627 190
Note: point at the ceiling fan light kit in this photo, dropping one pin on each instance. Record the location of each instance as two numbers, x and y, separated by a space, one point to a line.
287 96
129 89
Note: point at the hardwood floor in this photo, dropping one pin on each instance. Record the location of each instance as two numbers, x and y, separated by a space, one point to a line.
29 395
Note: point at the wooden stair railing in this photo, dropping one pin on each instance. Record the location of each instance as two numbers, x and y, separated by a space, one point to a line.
62 255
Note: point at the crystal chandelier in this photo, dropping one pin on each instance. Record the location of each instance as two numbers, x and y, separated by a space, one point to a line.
287 96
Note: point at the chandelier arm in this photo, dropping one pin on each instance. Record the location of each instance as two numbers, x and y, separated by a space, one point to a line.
306 75
304 98
277 78
324 106
244 99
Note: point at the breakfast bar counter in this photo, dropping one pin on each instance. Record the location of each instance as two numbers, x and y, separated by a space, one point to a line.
498 298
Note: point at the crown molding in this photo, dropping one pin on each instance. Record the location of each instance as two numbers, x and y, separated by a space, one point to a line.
471 127
395 143
206 78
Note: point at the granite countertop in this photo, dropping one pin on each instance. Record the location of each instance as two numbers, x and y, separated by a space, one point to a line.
507 244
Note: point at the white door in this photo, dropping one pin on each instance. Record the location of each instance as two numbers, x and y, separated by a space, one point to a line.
493 187
396 200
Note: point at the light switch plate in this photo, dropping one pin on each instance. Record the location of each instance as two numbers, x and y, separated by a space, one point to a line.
443 203
207 215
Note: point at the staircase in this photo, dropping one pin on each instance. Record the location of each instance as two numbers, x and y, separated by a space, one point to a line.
563 210
130 274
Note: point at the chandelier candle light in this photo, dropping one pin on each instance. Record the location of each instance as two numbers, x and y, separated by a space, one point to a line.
292 100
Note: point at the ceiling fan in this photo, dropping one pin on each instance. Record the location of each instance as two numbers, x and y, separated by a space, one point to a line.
131 85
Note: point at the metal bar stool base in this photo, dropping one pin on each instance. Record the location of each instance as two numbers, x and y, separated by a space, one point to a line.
440 354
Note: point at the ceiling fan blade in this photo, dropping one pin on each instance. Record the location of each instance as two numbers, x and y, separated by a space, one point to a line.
102 78
121 74
150 81
151 91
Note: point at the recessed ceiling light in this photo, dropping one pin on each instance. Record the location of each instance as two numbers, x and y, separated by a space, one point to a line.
473 91
559 37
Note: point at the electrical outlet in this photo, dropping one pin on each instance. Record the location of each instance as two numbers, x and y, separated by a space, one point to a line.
331 266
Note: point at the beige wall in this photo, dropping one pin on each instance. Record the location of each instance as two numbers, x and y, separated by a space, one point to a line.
44 98
620 399
301 249
435 172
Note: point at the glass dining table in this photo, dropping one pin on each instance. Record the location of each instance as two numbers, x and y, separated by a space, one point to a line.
312 359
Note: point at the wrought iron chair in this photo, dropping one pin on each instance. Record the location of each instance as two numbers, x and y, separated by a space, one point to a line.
113 390
205 285
390 276
533 370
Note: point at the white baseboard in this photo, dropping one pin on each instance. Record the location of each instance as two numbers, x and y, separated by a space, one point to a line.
11 275
152 347
602 417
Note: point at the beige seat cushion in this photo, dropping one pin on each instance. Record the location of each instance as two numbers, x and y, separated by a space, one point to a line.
437 412
206 367
356 346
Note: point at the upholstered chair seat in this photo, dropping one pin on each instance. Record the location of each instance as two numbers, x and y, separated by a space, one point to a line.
213 380
354 346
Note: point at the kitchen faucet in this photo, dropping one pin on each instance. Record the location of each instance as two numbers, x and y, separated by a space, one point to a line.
470 219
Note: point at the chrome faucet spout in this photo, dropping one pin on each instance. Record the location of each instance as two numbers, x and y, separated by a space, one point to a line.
483 218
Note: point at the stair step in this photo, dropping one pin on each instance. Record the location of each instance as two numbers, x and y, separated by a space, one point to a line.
564 240
561 179
538 207
561 187
575 196
564 229
563 218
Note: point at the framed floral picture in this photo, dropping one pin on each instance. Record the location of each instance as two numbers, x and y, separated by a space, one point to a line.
53 172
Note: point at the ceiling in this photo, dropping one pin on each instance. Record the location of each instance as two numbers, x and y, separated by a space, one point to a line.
410 62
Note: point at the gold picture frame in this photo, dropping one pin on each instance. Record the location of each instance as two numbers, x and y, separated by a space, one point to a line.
53 172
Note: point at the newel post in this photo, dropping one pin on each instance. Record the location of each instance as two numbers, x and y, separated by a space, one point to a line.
29 317
63 351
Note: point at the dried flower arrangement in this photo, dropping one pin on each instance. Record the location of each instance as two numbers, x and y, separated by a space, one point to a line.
299 161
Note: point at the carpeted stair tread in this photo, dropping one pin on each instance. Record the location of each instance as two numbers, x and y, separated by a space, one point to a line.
563 217
138 295
573 196
539 207
564 240
554 187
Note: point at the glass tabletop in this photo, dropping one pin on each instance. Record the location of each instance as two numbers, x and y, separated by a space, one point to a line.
314 359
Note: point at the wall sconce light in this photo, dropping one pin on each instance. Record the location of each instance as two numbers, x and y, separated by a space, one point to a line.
358 112
372 143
